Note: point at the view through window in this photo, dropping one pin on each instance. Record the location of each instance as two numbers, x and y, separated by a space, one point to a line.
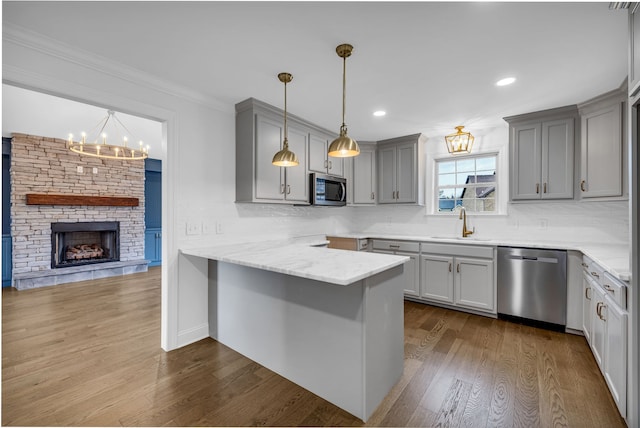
468 182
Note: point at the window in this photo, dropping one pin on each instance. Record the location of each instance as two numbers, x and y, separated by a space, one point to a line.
469 182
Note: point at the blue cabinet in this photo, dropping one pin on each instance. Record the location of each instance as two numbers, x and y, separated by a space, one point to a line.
153 211
153 246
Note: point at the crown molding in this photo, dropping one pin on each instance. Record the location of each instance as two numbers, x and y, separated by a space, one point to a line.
40 43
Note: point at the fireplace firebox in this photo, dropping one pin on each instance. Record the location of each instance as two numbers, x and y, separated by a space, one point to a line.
81 243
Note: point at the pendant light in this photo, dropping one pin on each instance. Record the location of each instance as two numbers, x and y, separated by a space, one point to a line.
344 146
459 142
285 157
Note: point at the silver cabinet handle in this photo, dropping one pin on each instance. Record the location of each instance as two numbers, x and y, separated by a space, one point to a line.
373 195
394 246
586 293
330 165
288 189
544 187
282 188
595 274
450 267
582 183
326 164
609 288
397 194
585 265
537 188
458 268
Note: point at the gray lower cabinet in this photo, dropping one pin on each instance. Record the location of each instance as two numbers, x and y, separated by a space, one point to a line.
412 268
457 275
541 149
605 327
634 49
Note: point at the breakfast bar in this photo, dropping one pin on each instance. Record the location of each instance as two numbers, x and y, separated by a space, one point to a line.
329 320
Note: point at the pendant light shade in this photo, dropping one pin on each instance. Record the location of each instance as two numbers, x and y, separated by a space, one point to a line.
344 146
459 142
285 157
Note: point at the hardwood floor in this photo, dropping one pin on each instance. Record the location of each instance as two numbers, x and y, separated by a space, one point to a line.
89 354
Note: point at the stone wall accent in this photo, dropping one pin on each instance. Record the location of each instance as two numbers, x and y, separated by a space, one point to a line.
45 165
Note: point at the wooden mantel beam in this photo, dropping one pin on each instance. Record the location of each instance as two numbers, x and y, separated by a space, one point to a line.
103 201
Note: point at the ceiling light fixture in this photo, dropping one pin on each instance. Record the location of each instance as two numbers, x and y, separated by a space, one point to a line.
459 142
285 157
344 146
379 113
102 149
506 81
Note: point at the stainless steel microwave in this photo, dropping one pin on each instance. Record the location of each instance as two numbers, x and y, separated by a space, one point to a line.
328 190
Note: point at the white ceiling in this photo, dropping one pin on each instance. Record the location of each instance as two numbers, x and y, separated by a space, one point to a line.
430 65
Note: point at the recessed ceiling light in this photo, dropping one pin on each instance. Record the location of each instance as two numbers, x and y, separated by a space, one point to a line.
506 81
379 113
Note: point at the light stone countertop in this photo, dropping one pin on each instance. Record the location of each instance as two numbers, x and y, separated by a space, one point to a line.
302 259
612 257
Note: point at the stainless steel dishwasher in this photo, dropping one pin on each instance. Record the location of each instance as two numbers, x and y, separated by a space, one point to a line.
532 286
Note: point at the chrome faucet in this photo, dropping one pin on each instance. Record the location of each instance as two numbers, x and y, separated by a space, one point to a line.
463 215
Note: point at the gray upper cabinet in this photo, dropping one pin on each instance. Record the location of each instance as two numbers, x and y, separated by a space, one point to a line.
363 179
319 160
634 49
259 135
401 170
601 146
542 154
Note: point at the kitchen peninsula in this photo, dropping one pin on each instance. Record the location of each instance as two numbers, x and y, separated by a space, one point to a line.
329 320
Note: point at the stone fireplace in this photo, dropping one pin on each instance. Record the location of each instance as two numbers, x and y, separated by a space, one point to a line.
53 190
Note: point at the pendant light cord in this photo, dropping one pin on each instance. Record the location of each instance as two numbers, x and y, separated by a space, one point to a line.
344 88
286 142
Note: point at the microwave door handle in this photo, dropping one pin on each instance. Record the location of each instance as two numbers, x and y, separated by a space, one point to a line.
344 192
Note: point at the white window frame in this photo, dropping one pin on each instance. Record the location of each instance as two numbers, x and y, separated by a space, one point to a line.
502 189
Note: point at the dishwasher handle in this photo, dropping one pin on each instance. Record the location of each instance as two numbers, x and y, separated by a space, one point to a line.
533 259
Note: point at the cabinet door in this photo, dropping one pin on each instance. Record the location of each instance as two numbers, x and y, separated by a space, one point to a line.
634 60
297 182
364 182
587 318
557 159
386 175
412 269
318 154
406 174
525 161
601 153
437 278
474 285
598 325
335 166
615 353
269 184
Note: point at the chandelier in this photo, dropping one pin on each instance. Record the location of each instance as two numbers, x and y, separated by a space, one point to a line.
344 146
459 142
95 142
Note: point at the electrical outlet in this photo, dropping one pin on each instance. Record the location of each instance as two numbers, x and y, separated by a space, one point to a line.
193 228
95 170
80 170
206 228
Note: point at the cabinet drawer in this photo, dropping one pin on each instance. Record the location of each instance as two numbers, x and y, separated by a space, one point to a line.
615 289
363 244
593 269
458 250
412 247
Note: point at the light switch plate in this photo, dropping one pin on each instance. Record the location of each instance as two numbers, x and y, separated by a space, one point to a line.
80 170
